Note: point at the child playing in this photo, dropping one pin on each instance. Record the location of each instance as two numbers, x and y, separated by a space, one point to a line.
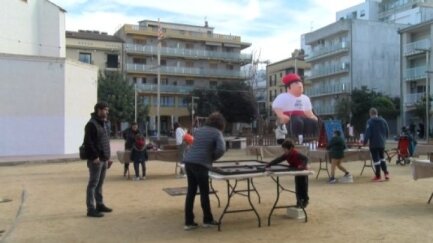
298 161
336 149
139 156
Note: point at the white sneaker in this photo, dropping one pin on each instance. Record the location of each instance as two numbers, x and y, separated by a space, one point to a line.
136 179
143 178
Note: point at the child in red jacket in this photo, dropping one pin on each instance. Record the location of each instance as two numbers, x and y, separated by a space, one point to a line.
297 161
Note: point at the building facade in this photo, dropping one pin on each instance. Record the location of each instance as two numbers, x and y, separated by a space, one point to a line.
40 113
96 48
349 54
416 46
191 57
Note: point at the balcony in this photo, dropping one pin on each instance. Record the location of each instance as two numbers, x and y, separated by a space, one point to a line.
416 47
415 73
191 53
327 90
182 34
412 99
329 70
328 51
184 71
324 110
176 89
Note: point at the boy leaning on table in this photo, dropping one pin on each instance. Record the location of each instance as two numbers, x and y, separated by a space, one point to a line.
297 161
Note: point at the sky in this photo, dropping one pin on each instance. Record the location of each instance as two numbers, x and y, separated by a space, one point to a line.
273 27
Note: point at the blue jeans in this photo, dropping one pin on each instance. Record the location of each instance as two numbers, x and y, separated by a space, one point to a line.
198 177
96 180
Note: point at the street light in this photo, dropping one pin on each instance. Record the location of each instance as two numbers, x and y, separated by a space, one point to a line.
427 93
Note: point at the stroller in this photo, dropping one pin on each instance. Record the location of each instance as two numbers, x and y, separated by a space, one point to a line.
403 151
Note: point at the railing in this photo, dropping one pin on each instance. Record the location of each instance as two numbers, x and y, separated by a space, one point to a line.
415 73
329 70
324 110
171 70
342 46
270 140
412 99
327 90
182 52
416 47
185 34
182 89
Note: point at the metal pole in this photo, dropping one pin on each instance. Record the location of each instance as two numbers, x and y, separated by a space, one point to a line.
158 92
192 113
135 102
427 98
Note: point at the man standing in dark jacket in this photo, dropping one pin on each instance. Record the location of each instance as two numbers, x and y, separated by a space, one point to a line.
97 143
376 134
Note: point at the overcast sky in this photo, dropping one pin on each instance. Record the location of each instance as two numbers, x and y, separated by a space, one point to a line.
273 27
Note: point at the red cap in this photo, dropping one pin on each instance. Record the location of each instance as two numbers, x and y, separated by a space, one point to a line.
291 78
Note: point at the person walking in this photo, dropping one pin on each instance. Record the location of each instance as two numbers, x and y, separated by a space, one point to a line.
376 134
129 135
336 149
139 157
97 144
208 146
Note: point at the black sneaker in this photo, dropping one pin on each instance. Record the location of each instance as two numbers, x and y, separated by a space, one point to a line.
302 203
104 209
210 224
94 213
190 226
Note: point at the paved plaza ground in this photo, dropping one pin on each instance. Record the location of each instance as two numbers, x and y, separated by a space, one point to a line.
48 205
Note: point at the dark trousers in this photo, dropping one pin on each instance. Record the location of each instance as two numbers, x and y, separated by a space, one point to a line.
198 177
137 168
377 155
96 181
301 186
280 141
302 125
126 169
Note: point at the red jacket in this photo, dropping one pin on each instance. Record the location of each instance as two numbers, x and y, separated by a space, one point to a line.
293 158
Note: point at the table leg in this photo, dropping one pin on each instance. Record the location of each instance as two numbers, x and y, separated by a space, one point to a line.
323 168
280 189
255 190
231 191
215 192
431 196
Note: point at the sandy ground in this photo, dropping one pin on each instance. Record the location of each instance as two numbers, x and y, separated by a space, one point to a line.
48 205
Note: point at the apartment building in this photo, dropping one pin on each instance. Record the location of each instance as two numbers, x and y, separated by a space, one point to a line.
191 57
416 46
349 54
274 73
96 48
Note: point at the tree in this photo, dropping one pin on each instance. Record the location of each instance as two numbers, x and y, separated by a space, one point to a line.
361 101
114 89
237 102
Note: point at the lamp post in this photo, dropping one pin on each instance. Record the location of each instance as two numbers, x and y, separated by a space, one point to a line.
427 93
192 110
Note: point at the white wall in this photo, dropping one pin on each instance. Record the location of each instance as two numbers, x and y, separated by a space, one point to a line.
44 104
80 98
34 27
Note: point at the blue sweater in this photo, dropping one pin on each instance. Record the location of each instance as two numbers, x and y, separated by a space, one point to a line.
376 132
207 147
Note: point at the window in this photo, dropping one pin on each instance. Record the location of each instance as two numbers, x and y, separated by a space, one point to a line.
213 84
189 82
270 80
164 62
138 60
189 46
85 57
134 80
211 48
144 80
139 41
229 67
189 64
213 65
362 13
112 61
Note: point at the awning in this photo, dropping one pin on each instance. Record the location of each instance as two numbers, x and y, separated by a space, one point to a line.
213 43
232 45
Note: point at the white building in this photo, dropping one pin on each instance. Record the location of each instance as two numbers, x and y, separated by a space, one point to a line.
45 100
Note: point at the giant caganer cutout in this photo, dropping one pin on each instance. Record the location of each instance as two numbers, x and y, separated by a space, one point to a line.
327 131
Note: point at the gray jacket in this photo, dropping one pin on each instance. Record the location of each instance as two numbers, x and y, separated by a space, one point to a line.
208 146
